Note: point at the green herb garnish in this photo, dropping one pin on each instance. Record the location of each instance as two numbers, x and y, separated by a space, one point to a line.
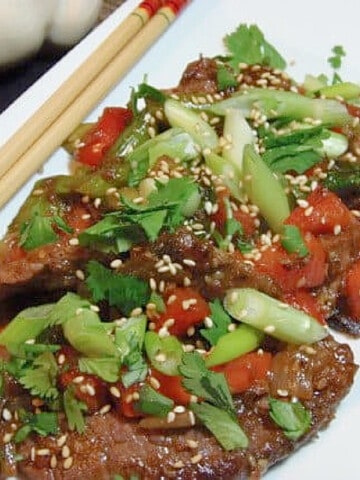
292 417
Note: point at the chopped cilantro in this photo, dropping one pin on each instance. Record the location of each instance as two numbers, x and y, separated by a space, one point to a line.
74 411
223 426
204 383
44 423
107 368
130 339
39 230
221 320
158 301
297 151
122 291
166 208
293 241
335 61
292 417
39 377
146 91
248 45
225 78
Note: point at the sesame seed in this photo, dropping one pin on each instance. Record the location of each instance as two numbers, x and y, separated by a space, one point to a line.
161 286
152 284
179 409
189 262
190 331
80 274
94 308
32 454
37 192
65 451
6 415
282 392
231 327
163 332
154 382
337 229
163 269
187 304
53 461
105 409
74 241
193 399
179 464
78 379
61 359
61 440
136 396
196 458
302 203
115 392
68 463
309 211
7 437
170 417
97 202
192 443
136 312
208 322
138 200
116 263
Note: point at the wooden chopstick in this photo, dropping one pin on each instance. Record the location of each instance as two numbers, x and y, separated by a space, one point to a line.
45 131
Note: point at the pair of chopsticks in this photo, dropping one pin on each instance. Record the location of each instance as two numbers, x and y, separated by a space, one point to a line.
27 150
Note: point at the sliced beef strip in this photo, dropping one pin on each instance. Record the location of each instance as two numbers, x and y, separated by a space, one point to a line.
112 444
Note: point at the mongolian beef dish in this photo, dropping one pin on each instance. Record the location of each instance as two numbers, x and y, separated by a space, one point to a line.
167 308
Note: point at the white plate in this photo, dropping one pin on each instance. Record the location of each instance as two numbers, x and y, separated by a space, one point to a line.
304 32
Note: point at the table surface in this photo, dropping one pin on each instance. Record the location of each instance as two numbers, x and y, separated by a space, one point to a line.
15 81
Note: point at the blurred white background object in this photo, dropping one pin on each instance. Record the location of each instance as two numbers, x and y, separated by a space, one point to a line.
25 25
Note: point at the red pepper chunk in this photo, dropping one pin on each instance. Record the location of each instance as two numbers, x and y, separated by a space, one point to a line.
103 135
171 386
352 290
185 307
292 272
244 372
326 213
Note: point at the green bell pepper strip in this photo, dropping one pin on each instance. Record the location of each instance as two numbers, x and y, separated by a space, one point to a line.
234 344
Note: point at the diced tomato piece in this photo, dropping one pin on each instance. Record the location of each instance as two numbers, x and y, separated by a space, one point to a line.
245 371
303 300
103 135
352 290
186 307
328 212
88 388
291 271
171 387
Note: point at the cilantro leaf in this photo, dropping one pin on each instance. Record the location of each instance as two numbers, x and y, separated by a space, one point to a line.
204 383
223 426
74 411
221 320
130 340
40 376
293 241
44 423
37 232
107 368
225 78
122 291
335 61
292 417
248 45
